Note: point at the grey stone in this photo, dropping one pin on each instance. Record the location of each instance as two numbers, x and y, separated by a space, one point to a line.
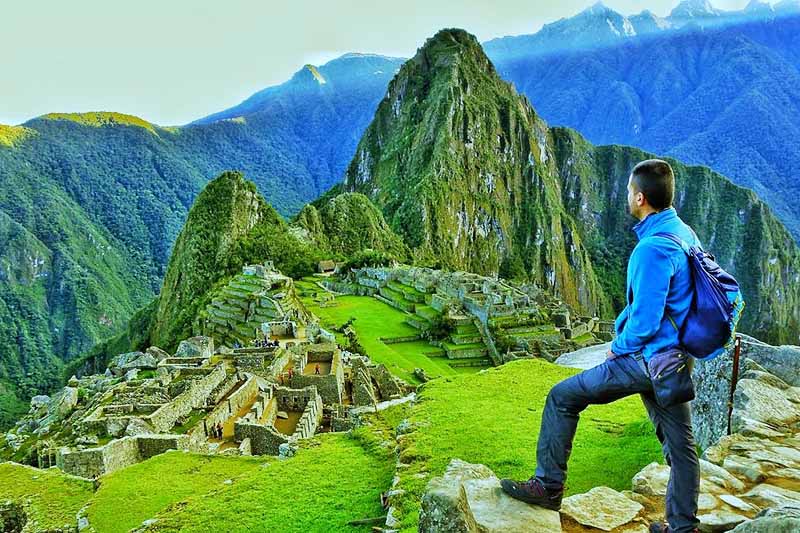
706 502
768 495
585 358
131 374
712 383
744 466
652 480
737 503
62 403
137 426
719 521
40 400
468 499
157 353
145 361
495 512
719 476
196 347
601 507
783 519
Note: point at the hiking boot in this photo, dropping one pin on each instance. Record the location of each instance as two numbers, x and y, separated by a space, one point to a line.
533 492
661 527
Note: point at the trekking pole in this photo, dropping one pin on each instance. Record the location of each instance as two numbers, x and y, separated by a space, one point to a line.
734 378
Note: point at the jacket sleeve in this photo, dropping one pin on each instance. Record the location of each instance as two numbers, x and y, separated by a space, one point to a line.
651 272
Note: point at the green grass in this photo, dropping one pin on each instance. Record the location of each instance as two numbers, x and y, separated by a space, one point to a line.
493 418
51 498
375 319
334 480
129 496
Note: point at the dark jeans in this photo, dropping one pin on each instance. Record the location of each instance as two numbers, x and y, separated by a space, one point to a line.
614 379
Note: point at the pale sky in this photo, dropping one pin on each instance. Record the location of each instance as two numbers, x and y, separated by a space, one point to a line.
173 61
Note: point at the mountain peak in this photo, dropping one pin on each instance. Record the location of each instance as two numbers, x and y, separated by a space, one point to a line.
694 9
757 6
598 8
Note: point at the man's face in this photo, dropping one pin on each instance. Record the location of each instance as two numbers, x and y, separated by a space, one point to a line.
635 199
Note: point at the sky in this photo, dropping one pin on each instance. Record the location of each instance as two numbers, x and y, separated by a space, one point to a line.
174 61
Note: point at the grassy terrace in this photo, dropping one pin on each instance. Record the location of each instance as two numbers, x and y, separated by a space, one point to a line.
375 319
493 417
51 498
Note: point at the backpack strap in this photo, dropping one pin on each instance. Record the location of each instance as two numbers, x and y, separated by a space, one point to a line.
680 242
674 238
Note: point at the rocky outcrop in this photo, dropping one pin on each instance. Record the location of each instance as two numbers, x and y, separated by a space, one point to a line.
750 480
712 381
468 499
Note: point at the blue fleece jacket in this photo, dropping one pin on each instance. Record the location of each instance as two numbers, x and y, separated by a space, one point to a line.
659 286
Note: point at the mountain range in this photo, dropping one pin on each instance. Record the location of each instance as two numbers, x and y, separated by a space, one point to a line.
91 204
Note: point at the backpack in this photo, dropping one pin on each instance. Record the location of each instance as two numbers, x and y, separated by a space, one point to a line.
710 326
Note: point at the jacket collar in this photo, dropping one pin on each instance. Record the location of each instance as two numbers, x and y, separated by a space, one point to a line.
654 222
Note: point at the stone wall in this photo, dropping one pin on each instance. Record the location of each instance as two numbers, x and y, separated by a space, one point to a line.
119 453
264 440
243 396
164 418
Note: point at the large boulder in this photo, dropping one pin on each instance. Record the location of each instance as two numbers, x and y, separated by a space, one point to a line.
783 519
763 401
62 403
712 381
196 347
468 499
145 361
117 364
157 352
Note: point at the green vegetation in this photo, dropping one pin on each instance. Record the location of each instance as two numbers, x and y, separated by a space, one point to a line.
121 504
11 135
332 480
493 418
51 499
375 319
98 119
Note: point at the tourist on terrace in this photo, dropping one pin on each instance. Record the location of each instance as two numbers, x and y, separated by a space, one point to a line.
659 292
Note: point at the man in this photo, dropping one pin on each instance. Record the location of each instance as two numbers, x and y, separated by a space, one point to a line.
659 290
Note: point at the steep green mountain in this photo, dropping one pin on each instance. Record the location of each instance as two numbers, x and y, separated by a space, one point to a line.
95 202
65 282
471 177
744 234
461 167
347 223
231 225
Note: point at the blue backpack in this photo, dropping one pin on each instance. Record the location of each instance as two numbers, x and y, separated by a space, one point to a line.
717 303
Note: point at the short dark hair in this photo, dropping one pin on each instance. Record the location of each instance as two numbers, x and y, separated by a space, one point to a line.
654 179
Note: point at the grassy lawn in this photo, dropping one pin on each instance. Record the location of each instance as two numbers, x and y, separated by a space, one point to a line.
375 319
51 498
493 418
332 481
131 495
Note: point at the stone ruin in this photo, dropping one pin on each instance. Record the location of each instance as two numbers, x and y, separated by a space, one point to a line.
254 302
494 320
256 399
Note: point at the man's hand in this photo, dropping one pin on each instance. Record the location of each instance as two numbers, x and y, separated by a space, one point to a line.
610 355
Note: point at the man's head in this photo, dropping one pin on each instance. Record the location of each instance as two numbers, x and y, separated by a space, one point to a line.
651 188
